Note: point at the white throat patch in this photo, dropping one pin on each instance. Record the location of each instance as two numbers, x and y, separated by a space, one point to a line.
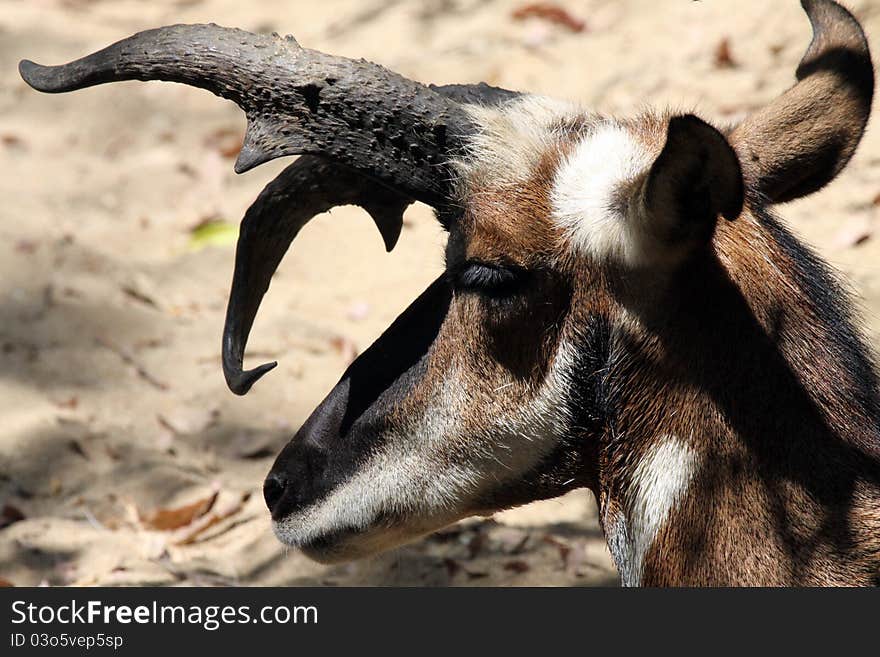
585 191
660 480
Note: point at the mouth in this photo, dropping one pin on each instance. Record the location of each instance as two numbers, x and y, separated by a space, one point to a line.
328 548
342 544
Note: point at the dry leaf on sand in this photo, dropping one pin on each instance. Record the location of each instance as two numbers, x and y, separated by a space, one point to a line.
9 515
190 534
551 13
170 519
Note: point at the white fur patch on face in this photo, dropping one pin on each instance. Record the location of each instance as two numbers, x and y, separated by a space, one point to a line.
659 481
510 140
429 472
397 479
585 194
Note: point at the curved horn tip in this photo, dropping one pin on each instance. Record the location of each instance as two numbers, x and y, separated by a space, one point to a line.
241 382
37 76
824 13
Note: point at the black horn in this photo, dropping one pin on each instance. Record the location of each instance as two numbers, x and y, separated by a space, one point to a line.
372 138
297 100
308 187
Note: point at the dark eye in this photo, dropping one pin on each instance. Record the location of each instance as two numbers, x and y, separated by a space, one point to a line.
490 280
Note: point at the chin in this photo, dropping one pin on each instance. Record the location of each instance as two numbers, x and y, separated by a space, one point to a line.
337 546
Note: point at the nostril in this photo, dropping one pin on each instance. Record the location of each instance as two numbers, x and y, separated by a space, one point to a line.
273 489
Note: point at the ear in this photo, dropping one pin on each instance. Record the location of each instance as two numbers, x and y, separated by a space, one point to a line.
798 143
696 178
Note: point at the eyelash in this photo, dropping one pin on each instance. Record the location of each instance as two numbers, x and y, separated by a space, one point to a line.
490 280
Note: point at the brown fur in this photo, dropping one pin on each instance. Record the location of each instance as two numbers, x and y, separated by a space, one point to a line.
731 353
739 344
745 519
804 509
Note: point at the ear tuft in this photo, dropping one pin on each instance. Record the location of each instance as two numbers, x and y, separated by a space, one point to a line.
696 177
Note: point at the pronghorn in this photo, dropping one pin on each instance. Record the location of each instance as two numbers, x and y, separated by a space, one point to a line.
621 310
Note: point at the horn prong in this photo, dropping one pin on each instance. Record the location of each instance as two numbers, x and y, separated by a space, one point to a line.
306 188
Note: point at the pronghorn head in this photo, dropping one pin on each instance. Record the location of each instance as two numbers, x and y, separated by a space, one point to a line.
577 244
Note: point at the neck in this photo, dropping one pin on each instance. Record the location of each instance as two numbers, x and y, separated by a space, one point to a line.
683 515
750 452
634 518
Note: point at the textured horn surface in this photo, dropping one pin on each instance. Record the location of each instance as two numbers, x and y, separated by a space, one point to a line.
296 100
306 188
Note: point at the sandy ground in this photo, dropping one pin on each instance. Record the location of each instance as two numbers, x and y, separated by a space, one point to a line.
112 403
